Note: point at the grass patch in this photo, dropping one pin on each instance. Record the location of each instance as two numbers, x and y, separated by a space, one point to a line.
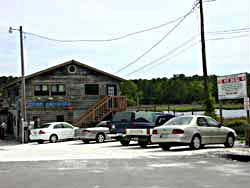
186 107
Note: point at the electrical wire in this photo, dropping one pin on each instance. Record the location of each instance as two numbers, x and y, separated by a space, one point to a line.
106 40
165 55
225 32
152 63
175 55
226 38
158 42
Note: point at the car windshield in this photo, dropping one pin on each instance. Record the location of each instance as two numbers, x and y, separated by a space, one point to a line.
179 121
145 116
102 124
45 125
122 116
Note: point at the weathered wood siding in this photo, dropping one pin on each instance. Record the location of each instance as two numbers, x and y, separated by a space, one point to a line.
75 93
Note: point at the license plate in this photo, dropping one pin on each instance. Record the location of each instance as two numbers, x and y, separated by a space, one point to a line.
164 136
136 131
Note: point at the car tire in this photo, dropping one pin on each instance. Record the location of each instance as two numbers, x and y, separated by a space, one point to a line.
53 138
124 141
100 138
143 144
85 141
196 142
40 142
165 147
230 141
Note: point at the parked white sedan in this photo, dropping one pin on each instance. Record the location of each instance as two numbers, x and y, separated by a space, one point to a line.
195 130
52 132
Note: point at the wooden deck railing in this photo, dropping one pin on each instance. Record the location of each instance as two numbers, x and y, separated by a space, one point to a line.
101 109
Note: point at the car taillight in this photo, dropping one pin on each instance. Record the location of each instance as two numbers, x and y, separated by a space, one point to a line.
177 131
155 131
85 131
148 131
41 132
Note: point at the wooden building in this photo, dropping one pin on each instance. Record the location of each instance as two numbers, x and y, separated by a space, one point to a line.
71 92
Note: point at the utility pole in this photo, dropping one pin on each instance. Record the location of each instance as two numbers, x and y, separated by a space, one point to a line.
23 92
23 103
203 49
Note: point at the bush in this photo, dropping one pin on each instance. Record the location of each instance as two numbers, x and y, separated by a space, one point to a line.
209 106
238 125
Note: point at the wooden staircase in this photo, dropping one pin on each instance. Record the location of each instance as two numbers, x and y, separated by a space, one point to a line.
101 109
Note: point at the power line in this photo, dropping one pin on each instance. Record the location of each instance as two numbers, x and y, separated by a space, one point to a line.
231 30
165 55
175 55
158 42
226 38
152 63
106 40
226 32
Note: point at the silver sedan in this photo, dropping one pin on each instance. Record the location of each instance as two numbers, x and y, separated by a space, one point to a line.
193 130
99 133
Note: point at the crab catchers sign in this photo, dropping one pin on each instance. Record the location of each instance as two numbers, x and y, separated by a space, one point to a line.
232 86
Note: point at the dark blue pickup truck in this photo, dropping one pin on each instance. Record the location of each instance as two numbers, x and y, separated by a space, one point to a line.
138 126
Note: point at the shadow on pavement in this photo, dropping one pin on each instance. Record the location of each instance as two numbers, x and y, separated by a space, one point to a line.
91 142
186 148
9 141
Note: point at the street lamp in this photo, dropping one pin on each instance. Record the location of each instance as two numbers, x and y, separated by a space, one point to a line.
23 101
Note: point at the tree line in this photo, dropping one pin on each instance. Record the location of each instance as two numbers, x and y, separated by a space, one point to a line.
179 89
5 80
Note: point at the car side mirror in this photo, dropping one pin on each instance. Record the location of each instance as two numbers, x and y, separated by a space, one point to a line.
220 125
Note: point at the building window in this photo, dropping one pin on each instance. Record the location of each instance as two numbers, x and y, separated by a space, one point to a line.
41 90
58 89
91 89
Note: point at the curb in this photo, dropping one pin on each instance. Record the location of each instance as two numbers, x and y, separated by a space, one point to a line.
238 157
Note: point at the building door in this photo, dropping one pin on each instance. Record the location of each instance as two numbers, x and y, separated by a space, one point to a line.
111 91
60 118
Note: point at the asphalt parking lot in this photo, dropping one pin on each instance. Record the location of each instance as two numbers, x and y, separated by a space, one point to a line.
74 164
109 150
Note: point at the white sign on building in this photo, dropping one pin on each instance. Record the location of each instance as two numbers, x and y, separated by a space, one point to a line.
232 86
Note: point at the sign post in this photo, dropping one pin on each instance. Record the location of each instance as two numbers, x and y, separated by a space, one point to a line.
247 107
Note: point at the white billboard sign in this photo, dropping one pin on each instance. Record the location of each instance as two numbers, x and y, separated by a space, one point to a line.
232 86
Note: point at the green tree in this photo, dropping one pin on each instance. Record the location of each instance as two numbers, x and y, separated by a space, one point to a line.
131 91
209 106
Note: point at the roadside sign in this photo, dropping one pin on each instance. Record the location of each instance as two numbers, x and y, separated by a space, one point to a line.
232 86
246 103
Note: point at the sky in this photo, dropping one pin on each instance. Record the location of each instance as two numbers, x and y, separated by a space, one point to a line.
227 52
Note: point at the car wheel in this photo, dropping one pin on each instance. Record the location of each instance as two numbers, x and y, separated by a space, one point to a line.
165 147
125 141
230 141
40 142
196 142
85 141
100 138
143 144
53 138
